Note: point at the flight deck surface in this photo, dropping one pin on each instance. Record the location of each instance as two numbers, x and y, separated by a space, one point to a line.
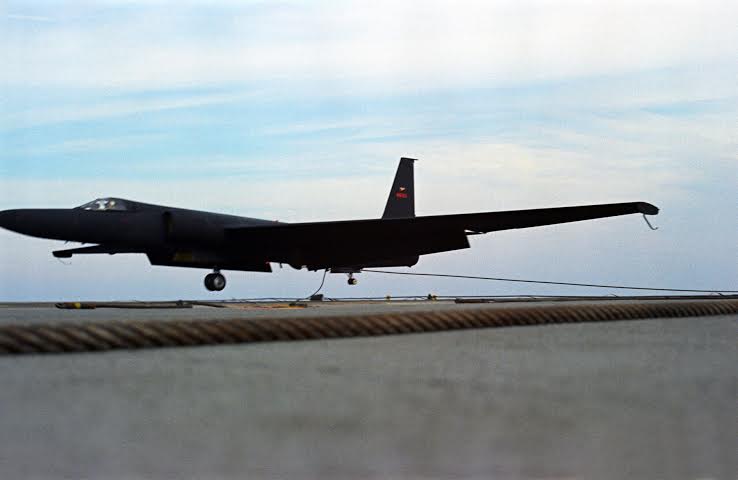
649 398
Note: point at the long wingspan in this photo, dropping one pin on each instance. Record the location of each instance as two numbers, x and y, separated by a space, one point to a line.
494 221
469 222
406 236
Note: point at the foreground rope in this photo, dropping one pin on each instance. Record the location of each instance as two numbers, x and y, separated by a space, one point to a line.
84 337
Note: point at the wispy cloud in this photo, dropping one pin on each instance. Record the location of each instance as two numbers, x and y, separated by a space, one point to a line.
108 108
28 18
86 145
384 46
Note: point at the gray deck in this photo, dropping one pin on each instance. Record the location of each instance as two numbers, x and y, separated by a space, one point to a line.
639 399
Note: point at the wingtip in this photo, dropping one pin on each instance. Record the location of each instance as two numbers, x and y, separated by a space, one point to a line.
647 209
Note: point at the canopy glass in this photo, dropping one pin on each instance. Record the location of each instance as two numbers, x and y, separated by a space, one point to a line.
107 205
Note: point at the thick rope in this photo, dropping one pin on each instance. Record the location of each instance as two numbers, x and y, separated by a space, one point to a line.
100 336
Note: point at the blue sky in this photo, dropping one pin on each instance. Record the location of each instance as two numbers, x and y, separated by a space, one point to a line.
300 111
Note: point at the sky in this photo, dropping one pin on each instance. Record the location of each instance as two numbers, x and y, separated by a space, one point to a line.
300 111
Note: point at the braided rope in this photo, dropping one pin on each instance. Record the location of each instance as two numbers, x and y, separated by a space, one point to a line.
101 336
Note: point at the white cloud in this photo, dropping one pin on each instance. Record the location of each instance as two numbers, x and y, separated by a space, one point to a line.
379 45
28 18
90 144
114 108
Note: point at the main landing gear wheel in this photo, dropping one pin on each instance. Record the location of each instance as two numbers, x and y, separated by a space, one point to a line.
352 280
215 282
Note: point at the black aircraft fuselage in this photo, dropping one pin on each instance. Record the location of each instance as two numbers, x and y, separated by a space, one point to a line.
190 238
169 236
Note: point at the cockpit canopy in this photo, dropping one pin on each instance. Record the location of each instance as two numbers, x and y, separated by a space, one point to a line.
108 205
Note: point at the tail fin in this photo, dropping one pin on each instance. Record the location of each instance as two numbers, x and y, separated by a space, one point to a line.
401 201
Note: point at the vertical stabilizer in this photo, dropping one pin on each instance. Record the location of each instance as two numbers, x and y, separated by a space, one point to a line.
401 201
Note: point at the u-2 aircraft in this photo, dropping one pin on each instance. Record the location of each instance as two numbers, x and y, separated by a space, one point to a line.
189 238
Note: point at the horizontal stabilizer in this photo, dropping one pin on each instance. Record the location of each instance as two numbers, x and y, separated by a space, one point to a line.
95 249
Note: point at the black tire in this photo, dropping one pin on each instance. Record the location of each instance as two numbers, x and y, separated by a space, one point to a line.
209 282
218 282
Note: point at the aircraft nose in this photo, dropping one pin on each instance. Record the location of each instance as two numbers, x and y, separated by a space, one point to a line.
10 219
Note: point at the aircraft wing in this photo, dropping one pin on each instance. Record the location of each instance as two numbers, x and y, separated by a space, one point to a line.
468 222
378 238
494 221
